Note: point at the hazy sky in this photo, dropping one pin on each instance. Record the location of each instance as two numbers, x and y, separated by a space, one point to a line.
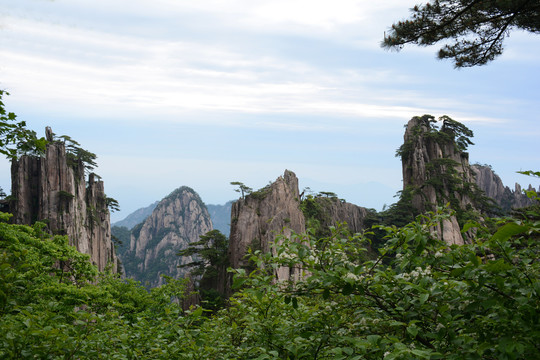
201 93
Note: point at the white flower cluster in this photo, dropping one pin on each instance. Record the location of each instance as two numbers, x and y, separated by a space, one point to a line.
416 273
353 277
438 254
286 256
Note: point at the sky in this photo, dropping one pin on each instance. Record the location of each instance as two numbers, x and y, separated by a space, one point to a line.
171 93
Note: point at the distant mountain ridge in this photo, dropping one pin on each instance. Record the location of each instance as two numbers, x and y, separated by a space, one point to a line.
221 217
136 217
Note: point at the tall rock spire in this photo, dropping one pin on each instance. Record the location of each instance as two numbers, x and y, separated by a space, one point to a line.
47 189
436 170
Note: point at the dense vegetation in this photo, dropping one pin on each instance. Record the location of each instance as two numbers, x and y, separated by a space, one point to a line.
418 299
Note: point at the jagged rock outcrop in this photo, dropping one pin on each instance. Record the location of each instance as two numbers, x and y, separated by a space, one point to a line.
48 189
261 215
492 185
436 170
336 211
178 220
258 218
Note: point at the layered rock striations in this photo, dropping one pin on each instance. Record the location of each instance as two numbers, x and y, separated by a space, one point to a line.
48 189
178 220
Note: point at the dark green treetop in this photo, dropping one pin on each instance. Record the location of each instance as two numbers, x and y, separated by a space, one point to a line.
211 250
474 30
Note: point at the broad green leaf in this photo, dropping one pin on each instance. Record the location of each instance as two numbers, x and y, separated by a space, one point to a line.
509 230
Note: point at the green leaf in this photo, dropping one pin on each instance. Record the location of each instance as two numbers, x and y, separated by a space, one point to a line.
347 289
326 294
497 266
238 282
509 230
413 330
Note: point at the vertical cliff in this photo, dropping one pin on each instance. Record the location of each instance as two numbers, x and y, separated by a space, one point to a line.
261 215
178 220
492 185
324 210
277 209
436 170
48 189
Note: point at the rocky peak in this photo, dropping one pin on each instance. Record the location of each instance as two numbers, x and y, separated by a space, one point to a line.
492 185
333 211
258 218
263 214
436 169
48 189
178 220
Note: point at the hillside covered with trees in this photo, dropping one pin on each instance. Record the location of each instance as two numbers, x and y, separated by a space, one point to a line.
397 288
413 296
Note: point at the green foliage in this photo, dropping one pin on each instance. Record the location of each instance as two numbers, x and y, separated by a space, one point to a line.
444 175
76 155
473 31
316 210
419 299
426 300
54 305
15 138
211 260
211 250
112 204
451 131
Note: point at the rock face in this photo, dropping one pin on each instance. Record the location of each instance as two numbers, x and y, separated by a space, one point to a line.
436 171
492 185
47 189
178 220
261 215
337 211
275 209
